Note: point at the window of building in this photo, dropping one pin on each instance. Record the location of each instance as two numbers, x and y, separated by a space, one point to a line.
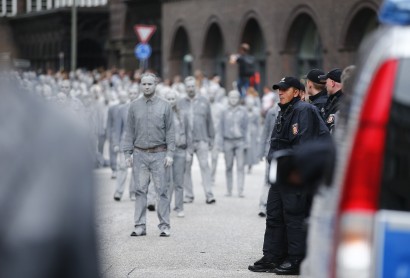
8 7
310 51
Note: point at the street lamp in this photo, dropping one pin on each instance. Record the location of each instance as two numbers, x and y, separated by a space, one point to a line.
61 56
74 35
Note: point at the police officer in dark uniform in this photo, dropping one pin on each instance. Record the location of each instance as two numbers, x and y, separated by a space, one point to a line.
334 91
316 88
284 244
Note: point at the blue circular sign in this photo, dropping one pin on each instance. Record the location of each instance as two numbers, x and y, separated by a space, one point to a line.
142 51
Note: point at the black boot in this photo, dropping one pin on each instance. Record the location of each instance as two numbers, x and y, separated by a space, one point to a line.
289 267
263 265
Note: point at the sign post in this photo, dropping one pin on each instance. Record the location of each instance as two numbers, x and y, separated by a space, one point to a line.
143 50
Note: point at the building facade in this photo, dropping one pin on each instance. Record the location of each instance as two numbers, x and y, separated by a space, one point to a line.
39 32
286 37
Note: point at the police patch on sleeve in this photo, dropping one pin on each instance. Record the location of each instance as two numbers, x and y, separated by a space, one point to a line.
295 129
330 119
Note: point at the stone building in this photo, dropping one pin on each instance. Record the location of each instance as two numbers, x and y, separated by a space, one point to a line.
39 31
286 37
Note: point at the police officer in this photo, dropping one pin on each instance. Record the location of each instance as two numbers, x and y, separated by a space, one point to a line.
316 88
334 91
298 122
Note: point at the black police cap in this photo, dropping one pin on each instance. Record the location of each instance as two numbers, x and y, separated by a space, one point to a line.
334 74
287 82
313 75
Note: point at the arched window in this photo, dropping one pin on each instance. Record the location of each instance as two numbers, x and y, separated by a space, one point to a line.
305 44
181 57
362 24
213 58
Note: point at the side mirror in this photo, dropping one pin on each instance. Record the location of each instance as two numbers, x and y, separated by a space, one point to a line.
281 165
309 165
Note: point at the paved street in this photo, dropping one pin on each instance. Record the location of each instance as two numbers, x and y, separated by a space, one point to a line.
218 240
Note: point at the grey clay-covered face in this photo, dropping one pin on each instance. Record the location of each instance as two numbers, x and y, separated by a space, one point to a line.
233 98
190 88
148 85
171 98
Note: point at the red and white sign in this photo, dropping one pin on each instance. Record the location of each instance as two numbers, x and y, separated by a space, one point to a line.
144 32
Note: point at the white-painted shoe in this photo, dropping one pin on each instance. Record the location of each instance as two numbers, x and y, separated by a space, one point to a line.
181 214
165 233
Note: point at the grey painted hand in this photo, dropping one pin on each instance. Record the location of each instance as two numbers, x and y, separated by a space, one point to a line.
128 161
168 161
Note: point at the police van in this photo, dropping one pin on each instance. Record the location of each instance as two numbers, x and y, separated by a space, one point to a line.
360 224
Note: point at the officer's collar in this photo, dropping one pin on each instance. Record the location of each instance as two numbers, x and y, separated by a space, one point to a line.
286 105
318 95
336 95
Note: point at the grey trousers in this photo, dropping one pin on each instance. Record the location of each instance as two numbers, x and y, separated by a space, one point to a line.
263 200
201 150
101 142
145 164
113 158
152 194
176 178
214 154
100 150
234 149
122 176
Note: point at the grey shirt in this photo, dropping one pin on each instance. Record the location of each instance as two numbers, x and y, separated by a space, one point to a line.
270 119
112 115
234 123
183 134
149 124
120 123
200 118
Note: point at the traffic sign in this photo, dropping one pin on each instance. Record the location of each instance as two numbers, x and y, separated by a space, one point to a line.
144 32
142 51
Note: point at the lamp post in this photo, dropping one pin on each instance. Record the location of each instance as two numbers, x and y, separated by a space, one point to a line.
74 35
61 60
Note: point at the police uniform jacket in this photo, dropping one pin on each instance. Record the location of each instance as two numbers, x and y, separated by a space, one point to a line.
331 107
297 122
319 100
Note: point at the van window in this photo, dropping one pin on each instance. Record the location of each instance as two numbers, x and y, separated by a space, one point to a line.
395 187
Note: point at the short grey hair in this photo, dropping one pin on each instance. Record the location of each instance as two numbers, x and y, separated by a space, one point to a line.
348 78
150 74
189 78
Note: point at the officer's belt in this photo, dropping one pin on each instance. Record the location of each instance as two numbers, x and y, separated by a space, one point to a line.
157 149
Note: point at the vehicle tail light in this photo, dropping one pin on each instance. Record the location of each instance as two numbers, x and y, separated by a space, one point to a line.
361 187
353 257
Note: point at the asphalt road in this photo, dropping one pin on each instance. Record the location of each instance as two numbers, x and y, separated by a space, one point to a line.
218 240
